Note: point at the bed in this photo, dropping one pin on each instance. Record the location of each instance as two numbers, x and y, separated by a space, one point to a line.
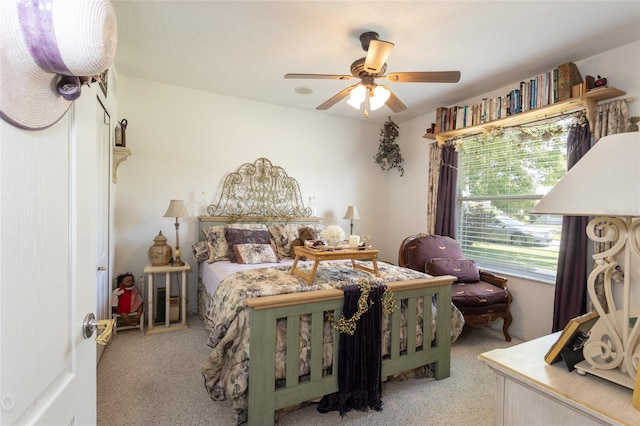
282 311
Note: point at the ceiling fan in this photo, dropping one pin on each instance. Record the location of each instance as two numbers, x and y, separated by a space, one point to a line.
370 68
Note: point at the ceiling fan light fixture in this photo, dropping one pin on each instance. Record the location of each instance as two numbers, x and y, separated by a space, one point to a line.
354 103
357 96
380 96
373 66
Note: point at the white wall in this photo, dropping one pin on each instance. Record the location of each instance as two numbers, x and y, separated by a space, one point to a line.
185 141
533 301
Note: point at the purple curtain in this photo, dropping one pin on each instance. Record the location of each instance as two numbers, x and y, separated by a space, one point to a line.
446 204
571 280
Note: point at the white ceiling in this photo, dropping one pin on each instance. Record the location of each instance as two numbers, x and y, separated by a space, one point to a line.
244 48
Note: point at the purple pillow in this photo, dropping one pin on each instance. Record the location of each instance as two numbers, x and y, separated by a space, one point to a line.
421 249
245 236
465 270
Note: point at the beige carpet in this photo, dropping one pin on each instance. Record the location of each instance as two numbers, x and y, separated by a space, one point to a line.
156 380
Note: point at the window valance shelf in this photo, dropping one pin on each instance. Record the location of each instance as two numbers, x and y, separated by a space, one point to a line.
588 101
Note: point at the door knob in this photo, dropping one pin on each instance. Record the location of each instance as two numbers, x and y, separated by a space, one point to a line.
90 324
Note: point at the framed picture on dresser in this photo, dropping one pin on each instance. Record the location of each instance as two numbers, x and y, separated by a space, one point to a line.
573 337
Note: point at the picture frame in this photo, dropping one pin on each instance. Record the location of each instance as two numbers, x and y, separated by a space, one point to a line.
103 81
576 328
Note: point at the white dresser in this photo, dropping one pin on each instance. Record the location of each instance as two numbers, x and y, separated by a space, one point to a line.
531 392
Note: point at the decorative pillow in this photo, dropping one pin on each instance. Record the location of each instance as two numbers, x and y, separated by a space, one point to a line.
256 226
201 251
283 235
255 253
218 247
421 249
217 243
245 236
465 270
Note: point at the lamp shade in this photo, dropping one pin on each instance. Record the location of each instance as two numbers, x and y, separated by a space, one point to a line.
380 96
357 96
604 182
352 213
176 209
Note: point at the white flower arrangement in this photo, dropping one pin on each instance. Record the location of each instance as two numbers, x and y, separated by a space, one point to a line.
332 233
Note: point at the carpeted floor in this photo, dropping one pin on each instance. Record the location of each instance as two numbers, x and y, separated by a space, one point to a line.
156 380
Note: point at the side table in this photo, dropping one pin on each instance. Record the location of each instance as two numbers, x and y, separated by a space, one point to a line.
167 270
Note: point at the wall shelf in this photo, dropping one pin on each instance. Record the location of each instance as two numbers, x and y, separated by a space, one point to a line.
120 154
587 102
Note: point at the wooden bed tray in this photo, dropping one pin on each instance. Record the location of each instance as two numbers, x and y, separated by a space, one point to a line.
318 256
265 399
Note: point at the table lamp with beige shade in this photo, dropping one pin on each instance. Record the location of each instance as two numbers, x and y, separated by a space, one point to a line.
351 214
176 209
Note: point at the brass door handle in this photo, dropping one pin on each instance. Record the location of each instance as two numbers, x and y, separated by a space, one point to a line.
90 325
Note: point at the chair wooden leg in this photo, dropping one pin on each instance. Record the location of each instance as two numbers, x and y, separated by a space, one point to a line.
507 318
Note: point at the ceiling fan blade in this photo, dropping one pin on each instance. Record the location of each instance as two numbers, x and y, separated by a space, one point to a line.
320 76
424 77
337 98
394 103
377 55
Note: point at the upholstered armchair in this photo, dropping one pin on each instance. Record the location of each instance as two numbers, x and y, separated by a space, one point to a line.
480 295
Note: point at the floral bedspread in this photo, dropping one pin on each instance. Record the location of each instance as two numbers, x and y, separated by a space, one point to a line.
226 370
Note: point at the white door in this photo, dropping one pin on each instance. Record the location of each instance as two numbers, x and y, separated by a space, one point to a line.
48 268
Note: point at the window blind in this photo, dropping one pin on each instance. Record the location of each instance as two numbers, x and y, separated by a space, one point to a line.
501 175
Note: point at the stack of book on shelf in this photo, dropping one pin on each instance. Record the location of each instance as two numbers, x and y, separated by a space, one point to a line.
557 85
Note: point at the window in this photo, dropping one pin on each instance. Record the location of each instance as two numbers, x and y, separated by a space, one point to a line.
501 176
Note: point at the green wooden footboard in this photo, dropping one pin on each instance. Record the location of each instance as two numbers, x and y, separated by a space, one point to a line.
265 398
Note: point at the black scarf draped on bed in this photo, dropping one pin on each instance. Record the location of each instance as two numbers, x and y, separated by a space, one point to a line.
360 357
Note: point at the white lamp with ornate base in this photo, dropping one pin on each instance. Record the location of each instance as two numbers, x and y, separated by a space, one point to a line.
612 350
605 184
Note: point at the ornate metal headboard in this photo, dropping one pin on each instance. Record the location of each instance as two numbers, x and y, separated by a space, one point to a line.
259 190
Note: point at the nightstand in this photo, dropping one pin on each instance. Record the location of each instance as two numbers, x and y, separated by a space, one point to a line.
530 391
167 270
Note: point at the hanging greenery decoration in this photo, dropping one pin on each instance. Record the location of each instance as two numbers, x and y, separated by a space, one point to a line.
388 156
